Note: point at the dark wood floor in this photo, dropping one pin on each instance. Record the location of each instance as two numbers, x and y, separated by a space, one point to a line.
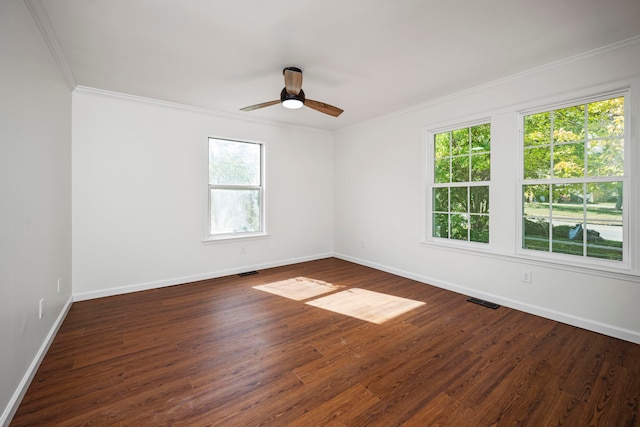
219 352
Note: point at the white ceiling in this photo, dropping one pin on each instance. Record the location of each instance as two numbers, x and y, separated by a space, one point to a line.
369 57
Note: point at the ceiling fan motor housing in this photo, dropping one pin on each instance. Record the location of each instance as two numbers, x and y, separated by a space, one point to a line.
285 96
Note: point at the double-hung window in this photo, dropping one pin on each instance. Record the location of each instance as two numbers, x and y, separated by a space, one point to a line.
461 160
574 182
236 188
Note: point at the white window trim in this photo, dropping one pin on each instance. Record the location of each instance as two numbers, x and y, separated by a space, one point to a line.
629 264
232 237
429 239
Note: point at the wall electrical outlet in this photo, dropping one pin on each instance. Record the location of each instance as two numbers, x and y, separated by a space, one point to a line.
58 285
526 276
41 308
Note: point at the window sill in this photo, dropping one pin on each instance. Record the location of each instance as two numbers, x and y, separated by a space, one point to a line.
622 272
458 245
227 238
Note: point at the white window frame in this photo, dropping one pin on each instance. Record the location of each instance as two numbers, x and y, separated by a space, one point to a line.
629 229
430 172
262 232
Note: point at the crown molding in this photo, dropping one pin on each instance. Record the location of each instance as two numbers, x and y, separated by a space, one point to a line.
200 110
627 44
42 21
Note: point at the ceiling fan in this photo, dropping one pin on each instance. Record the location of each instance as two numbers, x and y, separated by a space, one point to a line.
292 96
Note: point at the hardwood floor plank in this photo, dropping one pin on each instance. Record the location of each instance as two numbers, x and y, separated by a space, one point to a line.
71 384
410 386
155 400
430 359
340 410
516 398
443 410
555 408
224 352
607 391
260 403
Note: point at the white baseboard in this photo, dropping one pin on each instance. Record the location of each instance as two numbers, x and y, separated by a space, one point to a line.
81 296
580 322
20 391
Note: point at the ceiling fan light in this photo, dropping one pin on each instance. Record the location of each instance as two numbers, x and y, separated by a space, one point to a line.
292 103
291 100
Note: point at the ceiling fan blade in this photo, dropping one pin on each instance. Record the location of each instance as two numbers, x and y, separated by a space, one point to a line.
264 104
292 80
323 108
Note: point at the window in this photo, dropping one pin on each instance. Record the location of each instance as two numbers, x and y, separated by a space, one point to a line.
460 188
574 180
236 191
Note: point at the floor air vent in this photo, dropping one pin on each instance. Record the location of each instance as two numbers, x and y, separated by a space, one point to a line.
483 303
247 273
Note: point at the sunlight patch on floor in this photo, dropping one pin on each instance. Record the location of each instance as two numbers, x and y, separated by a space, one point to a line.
366 305
299 288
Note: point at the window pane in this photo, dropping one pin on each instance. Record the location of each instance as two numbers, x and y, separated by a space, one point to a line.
442 170
537 163
535 234
605 157
442 145
606 118
234 211
459 227
233 162
479 199
605 201
604 241
567 239
441 225
536 200
481 167
567 211
568 161
604 221
460 142
568 202
480 228
460 169
458 199
481 138
441 199
536 209
568 124
537 129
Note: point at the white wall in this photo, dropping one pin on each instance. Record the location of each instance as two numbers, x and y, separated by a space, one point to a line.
35 197
380 175
139 195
